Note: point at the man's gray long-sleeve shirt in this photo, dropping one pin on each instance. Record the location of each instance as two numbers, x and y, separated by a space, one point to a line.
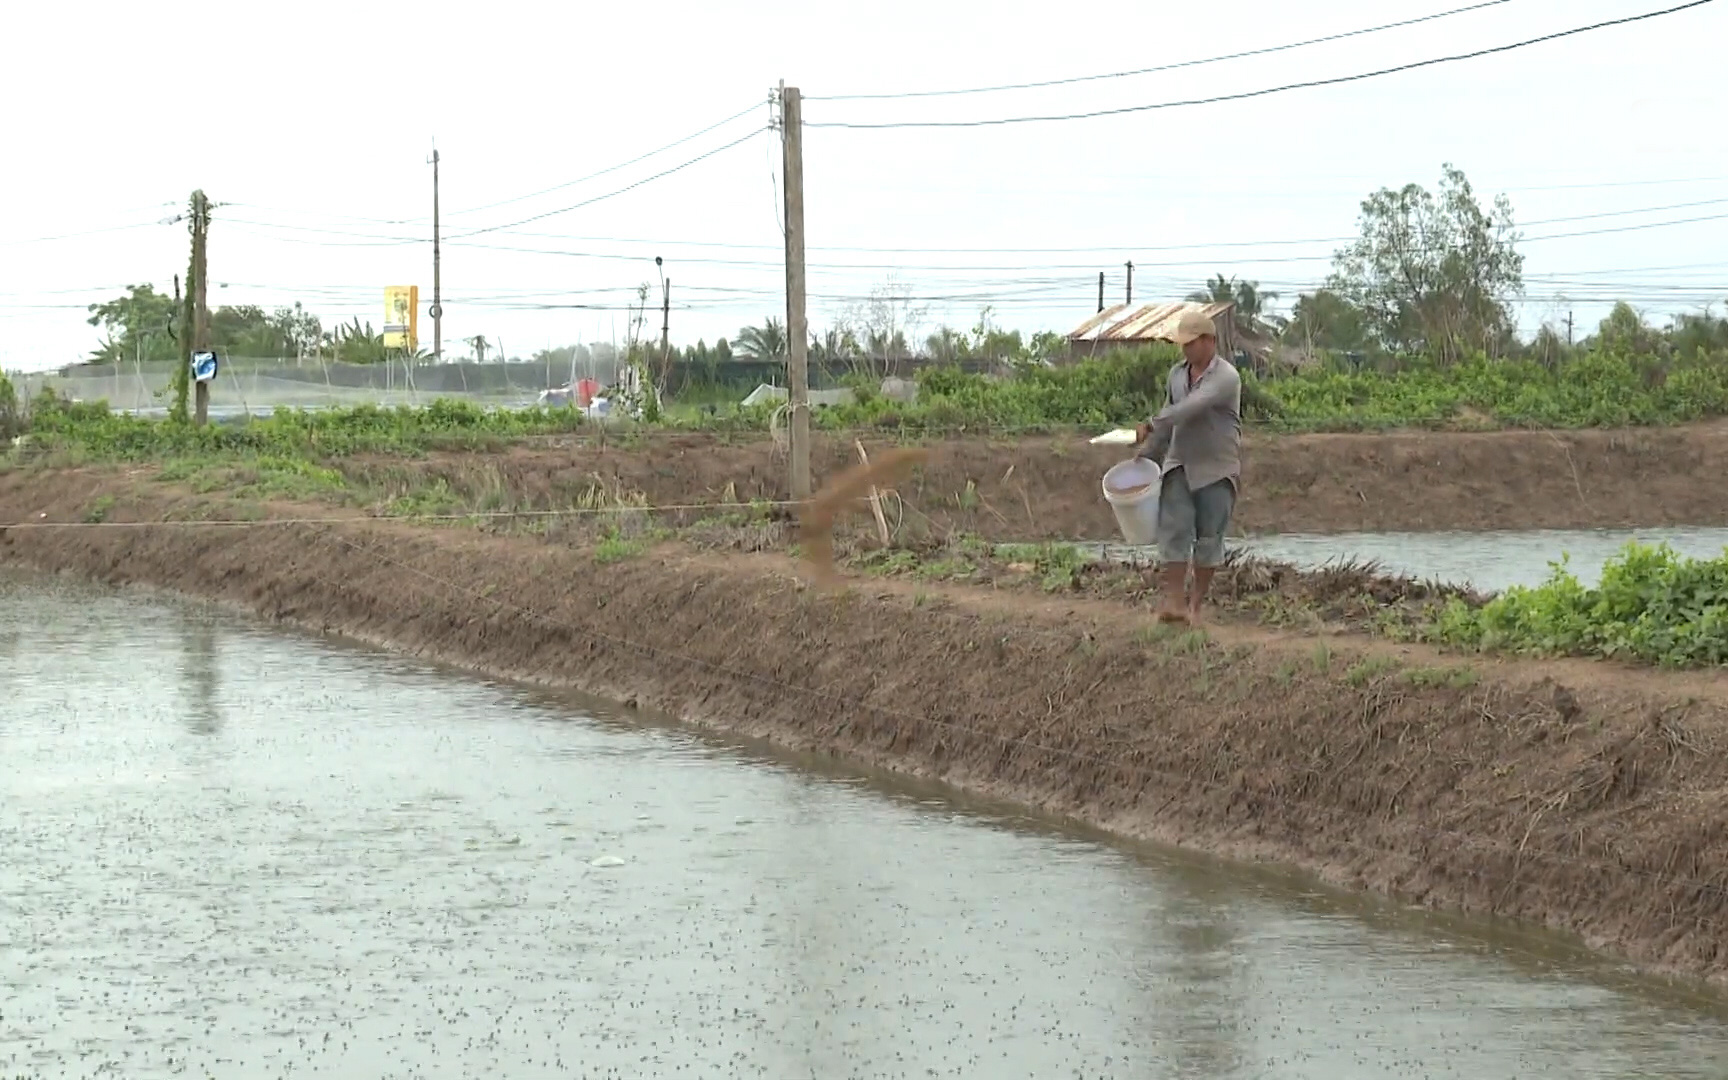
1200 430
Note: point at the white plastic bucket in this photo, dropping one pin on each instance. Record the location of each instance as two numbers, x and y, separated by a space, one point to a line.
1131 488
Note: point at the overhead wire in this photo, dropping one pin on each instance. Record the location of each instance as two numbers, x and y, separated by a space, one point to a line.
1073 80
612 168
1123 248
78 235
670 242
1004 290
613 194
1264 92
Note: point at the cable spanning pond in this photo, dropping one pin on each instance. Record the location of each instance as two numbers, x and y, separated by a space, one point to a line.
238 854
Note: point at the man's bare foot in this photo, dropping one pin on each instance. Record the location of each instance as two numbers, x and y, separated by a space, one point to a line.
1172 597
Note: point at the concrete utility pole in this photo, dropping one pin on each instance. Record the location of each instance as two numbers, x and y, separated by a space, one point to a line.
665 319
1129 299
797 330
200 298
1100 290
437 311
665 322
1568 329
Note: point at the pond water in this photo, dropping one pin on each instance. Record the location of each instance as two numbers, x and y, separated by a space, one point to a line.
1490 561
234 853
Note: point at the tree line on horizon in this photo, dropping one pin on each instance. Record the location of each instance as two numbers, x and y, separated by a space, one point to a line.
1432 274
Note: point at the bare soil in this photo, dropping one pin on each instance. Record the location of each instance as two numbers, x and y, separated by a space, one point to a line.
1048 487
1583 796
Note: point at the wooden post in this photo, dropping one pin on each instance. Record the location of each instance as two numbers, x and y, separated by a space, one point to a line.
875 499
797 328
200 299
437 311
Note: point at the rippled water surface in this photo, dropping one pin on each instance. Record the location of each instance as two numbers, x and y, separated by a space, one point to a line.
229 853
1489 561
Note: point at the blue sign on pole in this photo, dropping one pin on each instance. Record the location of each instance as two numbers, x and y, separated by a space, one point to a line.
203 367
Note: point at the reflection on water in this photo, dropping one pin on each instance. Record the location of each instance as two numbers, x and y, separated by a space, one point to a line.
198 666
230 853
1489 561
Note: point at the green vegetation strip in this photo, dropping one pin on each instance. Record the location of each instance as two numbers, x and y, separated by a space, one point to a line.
1651 605
1595 389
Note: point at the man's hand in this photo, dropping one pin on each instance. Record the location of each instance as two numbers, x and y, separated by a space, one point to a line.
1142 432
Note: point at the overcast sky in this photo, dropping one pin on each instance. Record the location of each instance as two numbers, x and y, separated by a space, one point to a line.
312 125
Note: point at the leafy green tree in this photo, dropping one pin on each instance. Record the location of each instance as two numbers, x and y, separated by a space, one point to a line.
1325 320
988 341
1048 346
835 346
1625 333
762 343
298 330
243 330
11 420
945 345
139 325
1700 333
1433 272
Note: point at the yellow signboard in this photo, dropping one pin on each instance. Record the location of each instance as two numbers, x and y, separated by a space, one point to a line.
402 317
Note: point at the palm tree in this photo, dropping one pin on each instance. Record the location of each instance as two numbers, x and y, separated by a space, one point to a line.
836 345
761 343
1250 317
946 345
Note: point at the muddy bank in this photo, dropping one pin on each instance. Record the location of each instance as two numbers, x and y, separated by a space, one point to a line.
1582 796
1047 487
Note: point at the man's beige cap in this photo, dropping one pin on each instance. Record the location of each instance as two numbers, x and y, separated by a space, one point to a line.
1192 324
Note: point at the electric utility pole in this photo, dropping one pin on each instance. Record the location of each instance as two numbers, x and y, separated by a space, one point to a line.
200 300
665 322
1129 299
665 319
437 311
797 332
1100 291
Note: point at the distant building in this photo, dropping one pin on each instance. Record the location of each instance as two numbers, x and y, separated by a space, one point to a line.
1125 326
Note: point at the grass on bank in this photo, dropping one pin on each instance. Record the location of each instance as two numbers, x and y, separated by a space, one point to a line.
1652 605
1593 390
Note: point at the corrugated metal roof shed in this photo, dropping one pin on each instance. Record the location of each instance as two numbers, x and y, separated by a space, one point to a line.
1148 322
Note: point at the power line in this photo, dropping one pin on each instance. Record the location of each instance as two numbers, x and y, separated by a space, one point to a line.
740 246
1153 70
1216 99
837 266
620 191
1110 249
76 235
614 168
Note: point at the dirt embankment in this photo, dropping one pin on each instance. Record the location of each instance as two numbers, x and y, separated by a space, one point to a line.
1582 796
1047 487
